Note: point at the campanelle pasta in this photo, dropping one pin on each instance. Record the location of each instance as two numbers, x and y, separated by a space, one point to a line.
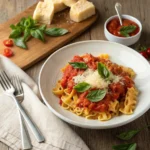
96 88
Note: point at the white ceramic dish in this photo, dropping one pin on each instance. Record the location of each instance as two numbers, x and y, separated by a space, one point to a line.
123 40
50 73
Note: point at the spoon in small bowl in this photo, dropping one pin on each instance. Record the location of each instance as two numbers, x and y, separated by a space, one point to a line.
118 7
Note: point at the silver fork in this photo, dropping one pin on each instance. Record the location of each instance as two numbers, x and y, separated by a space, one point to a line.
9 90
26 143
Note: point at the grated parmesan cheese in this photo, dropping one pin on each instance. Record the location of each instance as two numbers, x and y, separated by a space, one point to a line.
95 80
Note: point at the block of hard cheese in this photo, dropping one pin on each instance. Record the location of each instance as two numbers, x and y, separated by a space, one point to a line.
81 10
69 2
44 12
58 5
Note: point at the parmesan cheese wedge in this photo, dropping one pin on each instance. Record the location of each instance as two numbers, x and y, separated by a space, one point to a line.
44 12
58 5
81 10
69 2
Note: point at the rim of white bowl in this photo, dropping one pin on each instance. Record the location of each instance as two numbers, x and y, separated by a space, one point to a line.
114 125
124 15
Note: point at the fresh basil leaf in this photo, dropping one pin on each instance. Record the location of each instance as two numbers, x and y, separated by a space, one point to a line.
26 35
78 65
96 95
42 28
20 42
125 30
103 71
15 33
125 34
56 31
12 26
82 87
131 146
128 135
29 23
21 22
36 33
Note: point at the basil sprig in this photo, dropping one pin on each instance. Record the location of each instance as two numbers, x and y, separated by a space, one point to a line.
128 135
38 34
82 87
78 65
56 31
96 95
103 71
131 146
28 27
20 42
126 30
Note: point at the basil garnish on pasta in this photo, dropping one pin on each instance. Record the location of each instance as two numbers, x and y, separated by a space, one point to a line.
78 65
103 71
96 95
131 146
82 87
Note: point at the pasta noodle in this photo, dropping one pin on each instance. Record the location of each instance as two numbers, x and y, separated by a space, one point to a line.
130 101
114 107
74 90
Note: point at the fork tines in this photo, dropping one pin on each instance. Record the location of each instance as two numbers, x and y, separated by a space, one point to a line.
17 84
4 80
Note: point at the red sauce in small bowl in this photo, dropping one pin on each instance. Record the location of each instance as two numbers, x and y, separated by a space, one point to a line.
114 27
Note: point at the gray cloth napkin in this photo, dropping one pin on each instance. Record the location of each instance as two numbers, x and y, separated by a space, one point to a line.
57 134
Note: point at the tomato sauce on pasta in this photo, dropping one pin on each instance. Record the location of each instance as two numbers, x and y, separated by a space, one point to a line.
83 96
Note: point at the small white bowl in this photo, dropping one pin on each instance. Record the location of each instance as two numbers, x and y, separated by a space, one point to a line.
123 40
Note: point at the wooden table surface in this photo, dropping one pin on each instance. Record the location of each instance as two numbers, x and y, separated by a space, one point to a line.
96 139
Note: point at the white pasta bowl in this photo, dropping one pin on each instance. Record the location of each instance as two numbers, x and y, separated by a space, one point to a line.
120 54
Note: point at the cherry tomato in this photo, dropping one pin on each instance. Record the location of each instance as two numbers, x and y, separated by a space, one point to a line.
144 54
8 42
8 52
148 51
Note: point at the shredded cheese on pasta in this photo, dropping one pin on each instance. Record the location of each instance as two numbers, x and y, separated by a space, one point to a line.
93 78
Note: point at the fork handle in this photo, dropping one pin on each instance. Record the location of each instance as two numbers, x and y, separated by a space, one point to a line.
30 123
26 143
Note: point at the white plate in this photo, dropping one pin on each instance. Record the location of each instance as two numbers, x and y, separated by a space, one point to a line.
120 54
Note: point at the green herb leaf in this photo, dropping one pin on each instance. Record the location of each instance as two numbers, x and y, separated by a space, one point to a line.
36 33
103 71
82 87
29 23
78 65
42 28
12 26
126 30
20 42
128 135
15 32
26 35
140 47
131 146
56 31
96 95
21 23
125 34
